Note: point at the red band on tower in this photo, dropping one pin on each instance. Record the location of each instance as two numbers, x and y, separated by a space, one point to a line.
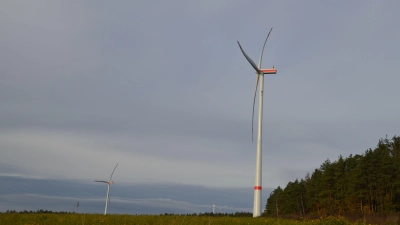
257 188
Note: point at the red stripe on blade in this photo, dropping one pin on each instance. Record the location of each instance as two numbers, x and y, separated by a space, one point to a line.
257 188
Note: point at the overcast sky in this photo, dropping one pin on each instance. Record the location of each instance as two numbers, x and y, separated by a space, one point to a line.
161 88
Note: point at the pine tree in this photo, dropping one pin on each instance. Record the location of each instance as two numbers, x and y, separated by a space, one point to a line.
367 183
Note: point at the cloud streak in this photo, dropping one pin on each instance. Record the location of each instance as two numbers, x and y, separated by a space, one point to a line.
145 198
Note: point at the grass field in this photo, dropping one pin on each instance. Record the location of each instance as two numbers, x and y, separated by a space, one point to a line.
94 219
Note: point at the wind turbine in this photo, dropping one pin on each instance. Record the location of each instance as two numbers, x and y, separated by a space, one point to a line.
77 206
259 79
214 207
109 182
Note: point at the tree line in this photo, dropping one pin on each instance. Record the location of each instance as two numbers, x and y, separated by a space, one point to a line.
236 214
366 183
40 211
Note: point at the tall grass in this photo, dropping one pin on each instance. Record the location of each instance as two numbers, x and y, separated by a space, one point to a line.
91 219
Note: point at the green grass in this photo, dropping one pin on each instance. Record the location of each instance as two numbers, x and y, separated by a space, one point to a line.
92 219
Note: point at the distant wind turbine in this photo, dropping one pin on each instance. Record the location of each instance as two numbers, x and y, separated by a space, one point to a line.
109 182
214 207
259 79
77 205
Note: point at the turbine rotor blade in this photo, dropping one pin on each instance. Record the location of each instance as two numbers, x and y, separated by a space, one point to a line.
257 78
249 59
254 102
262 51
108 195
101 181
113 172
107 199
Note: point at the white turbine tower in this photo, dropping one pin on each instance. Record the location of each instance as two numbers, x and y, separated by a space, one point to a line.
259 79
109 182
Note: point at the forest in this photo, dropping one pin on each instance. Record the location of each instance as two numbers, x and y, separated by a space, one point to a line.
359 184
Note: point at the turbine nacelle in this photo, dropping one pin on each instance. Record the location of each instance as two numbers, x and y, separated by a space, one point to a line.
268 71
